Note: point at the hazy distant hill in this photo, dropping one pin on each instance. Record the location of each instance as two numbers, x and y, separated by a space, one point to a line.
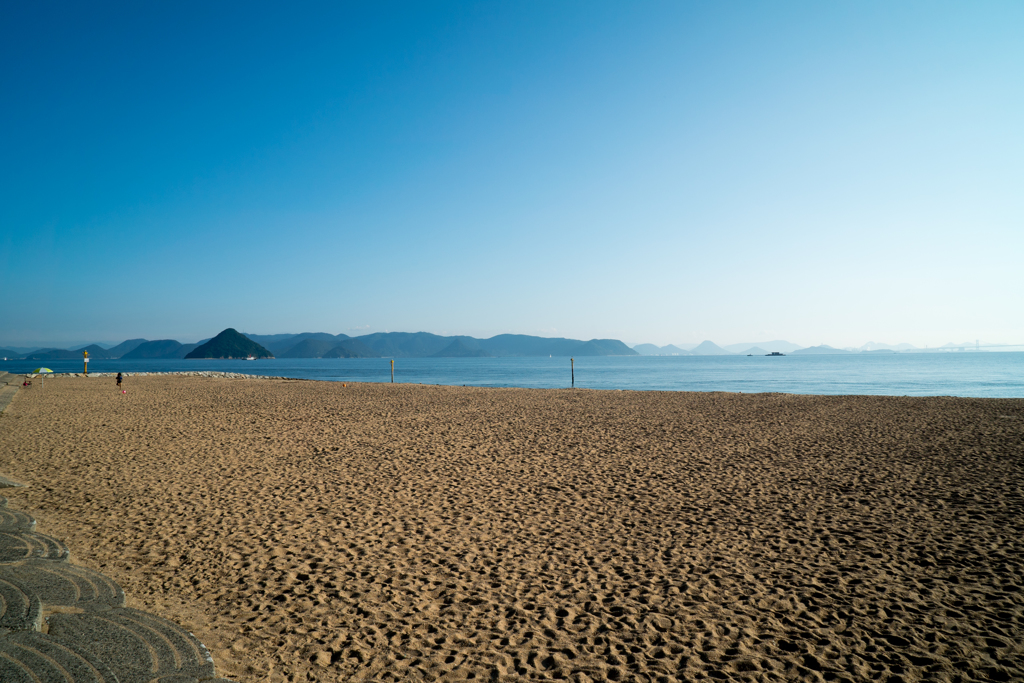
327 336
279 347
229 344
309 348
460 348
525 345
652 350
52 354
878 346
319 347
275 342
25 350
95 351
188 348
124 347
708 348
780 345
603 347
404 344
647 349
264 339
161 348
351 348
822 349
756 351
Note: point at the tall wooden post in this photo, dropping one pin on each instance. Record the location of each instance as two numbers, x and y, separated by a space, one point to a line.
572 369
85 355
392 370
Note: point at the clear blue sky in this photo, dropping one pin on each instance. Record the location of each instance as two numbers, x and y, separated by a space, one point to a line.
831 172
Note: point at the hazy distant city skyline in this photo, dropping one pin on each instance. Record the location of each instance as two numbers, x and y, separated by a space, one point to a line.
656 172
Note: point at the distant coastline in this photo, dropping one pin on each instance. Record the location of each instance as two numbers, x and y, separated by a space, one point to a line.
709 348
428 345
325 345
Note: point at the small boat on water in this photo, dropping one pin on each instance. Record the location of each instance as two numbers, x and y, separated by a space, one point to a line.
251 358
775 353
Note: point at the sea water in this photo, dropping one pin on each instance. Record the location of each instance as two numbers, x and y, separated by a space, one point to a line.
977 374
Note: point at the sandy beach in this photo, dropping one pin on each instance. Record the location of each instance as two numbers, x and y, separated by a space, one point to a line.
307 531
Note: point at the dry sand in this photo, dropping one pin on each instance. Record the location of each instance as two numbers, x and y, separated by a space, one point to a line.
309 531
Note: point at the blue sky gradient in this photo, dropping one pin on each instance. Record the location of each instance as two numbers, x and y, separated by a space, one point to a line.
653 172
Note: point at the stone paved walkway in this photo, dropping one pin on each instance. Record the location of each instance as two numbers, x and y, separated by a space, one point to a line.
61 623
9 385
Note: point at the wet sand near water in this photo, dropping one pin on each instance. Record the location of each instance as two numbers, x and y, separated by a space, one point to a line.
306 531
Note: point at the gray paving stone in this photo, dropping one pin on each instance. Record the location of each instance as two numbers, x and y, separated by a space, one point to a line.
13 520
140 647
7 395
24 545
59 584
91 637
19 609
6 483
27 657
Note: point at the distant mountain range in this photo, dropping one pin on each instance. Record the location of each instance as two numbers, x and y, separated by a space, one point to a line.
308 348
822 349
51 354
124 347
780 345
427 345
164 348
709 348
652 350
232 344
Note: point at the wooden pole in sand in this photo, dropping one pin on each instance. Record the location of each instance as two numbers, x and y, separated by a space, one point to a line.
85 355
392 370
572 369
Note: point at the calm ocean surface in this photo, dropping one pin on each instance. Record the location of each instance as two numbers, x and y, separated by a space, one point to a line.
940 374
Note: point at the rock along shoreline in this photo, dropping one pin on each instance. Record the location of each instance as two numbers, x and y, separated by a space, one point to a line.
185 373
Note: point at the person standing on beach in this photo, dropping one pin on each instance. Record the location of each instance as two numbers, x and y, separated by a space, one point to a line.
119 380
